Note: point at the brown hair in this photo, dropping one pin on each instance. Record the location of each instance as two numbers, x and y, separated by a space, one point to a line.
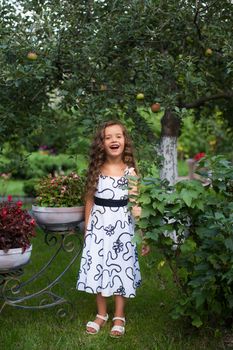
98 157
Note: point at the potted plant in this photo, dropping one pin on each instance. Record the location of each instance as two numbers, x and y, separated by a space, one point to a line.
59 202
17 227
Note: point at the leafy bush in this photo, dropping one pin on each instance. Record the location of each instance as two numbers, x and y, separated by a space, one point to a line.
29 187
43 164
60 191
37 165
192 225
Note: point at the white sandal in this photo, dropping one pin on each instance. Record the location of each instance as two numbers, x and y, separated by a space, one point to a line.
95 325
119 329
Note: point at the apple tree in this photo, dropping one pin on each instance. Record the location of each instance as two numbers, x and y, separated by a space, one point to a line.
106 59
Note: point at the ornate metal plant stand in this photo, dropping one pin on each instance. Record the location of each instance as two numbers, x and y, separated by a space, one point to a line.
13 292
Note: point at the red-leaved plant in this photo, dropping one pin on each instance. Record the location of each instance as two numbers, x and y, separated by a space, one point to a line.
16 226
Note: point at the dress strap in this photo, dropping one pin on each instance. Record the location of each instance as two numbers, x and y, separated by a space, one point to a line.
129 171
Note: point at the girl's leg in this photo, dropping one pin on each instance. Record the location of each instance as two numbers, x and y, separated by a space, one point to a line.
101 305
119 312
101 309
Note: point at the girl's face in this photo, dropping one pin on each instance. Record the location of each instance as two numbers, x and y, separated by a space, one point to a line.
114 141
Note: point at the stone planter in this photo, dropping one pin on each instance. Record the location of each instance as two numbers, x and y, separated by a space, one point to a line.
58 219
14 258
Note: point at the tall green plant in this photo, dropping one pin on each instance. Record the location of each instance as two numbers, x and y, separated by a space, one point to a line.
192 225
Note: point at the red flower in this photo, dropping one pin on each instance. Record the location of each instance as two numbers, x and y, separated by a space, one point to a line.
9 198
198 156
19 204
33 222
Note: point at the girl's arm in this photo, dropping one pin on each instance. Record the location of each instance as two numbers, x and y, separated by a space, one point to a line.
133 190
136 209
88 206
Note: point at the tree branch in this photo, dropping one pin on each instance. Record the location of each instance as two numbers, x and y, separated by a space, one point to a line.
200 102
196 19
208 6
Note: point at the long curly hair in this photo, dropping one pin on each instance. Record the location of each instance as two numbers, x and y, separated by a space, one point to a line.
98 156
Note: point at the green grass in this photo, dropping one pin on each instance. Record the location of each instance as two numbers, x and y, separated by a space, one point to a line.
12 187
149 324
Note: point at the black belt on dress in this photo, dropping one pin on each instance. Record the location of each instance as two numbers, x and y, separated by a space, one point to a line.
110 202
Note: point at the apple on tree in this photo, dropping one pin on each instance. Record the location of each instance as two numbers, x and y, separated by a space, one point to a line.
155 107
32 56
140 96
103 87
208 52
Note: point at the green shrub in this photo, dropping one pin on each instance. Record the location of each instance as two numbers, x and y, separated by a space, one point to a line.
37 165
200 254
29 187
43 164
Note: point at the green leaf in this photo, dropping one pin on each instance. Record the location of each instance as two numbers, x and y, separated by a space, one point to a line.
229 243
200 205
187 198
146 212
142 223
219 216
189 246
230 300
160 208
145 199
137 239
199 299
175 208
152 235
197 322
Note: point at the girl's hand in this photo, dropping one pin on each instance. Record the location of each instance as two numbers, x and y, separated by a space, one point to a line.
145 250
136 211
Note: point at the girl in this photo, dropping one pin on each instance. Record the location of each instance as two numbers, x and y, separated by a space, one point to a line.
109 264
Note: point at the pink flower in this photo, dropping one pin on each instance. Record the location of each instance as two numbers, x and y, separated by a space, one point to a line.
19 204
63 189
5 176
9 198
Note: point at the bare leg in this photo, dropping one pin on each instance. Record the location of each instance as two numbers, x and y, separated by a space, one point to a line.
102 310
119 311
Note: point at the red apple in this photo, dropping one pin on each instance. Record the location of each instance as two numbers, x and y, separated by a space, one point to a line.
155 107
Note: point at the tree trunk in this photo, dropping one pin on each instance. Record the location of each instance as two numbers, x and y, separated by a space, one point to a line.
169 153
168 146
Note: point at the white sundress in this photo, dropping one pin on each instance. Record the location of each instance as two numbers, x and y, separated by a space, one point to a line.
109 263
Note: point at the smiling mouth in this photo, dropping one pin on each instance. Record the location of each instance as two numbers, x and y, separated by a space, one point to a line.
114 147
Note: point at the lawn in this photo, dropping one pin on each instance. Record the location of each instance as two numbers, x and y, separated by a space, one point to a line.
149 325
12 187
